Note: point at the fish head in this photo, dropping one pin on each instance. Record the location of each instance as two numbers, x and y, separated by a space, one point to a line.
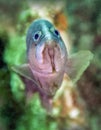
46 50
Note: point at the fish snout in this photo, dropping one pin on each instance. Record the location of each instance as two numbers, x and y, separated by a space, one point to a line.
51 43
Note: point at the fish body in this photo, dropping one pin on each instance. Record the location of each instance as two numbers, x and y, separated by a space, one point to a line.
48 61
47 55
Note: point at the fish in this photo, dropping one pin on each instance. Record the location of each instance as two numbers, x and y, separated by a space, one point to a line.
48 60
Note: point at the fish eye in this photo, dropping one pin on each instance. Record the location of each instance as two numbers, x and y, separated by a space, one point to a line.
55 31
37 36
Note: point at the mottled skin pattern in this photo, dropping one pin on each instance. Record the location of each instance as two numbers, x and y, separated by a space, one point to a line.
48 60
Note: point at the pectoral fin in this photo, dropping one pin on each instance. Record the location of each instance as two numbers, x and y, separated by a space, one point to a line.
24 71
77 64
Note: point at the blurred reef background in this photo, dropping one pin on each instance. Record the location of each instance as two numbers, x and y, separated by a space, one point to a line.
76 107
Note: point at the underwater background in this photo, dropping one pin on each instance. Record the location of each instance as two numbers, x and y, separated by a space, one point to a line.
77 107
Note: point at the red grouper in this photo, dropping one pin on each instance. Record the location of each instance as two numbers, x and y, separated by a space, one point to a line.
48 61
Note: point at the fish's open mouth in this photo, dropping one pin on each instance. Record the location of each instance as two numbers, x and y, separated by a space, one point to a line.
47 58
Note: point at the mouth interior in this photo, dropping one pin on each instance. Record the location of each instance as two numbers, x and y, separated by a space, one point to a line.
51 54
47 58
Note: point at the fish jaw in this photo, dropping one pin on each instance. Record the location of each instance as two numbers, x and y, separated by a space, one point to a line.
48 83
